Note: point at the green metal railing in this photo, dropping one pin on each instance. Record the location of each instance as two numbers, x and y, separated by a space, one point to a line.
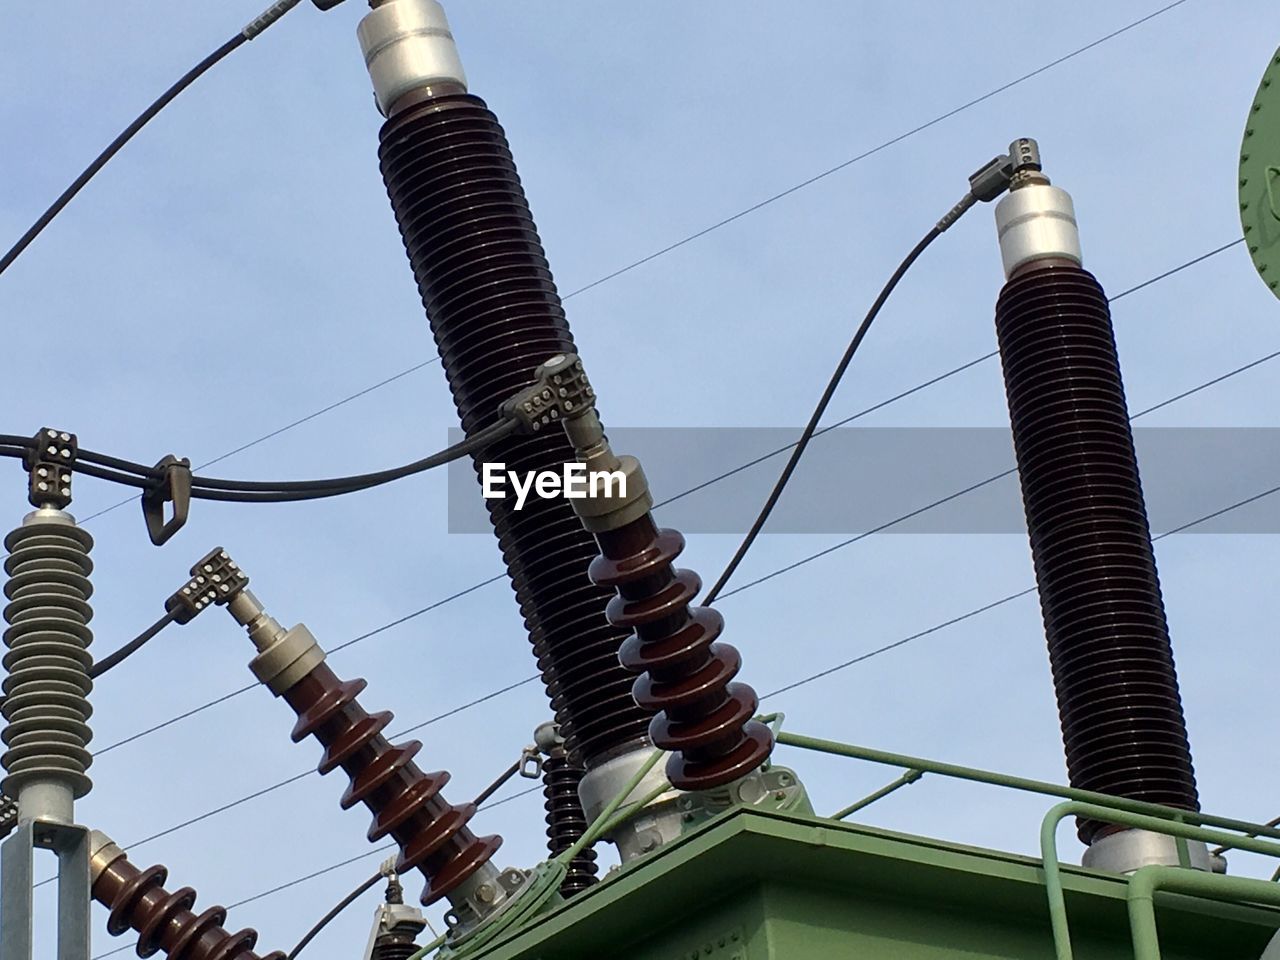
1182 825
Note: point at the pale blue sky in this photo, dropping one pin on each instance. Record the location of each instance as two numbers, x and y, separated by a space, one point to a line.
238 267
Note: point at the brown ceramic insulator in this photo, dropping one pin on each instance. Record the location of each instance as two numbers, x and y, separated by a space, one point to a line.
1113 669
406 803
704 718
496 315
566 820
165 921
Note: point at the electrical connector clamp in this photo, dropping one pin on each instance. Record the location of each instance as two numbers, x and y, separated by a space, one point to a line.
215 579
560 391
49 462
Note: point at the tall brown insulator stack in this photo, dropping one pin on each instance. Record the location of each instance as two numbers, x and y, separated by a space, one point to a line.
406 803
1113 669
495 315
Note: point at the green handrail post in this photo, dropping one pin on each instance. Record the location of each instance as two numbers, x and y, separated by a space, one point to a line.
1170 826
1211 886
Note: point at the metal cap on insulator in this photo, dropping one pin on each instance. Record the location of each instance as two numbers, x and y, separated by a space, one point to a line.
407 45
1036 221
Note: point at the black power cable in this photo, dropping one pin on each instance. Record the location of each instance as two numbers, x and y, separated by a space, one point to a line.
985 185
106 467
275 491
129 649
341 905
795 188
250 31
812 426
100 161
498 784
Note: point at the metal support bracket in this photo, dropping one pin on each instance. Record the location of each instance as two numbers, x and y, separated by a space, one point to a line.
17 855
176 488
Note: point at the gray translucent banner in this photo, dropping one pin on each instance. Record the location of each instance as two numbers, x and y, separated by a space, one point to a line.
913 480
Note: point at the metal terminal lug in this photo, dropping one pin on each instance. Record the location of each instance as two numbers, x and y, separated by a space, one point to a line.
1024 156
216 579
50 463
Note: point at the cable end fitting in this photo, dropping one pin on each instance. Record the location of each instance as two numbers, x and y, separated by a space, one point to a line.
216 579
1036 221
617 491
985 184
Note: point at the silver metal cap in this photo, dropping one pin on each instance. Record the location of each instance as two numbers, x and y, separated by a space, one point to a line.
407 44
1036 221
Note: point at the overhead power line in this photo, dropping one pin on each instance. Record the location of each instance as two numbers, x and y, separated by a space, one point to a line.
918 388
254 795
828 392
845 164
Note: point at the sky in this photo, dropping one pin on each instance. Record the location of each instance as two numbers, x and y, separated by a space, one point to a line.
237 268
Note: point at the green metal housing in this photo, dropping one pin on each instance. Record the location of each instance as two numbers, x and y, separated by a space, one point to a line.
753 885
1260 177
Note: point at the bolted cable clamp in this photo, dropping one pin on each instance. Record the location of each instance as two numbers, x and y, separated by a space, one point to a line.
560 391
215 579
175 486
50 462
